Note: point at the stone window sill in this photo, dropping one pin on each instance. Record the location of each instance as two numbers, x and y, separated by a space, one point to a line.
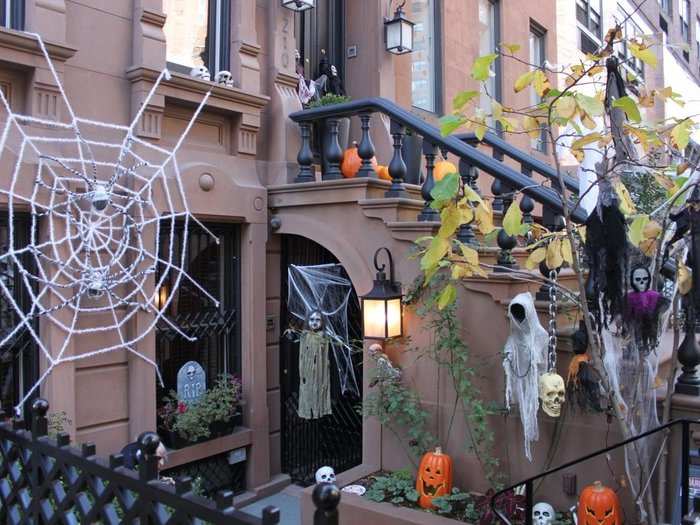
22 49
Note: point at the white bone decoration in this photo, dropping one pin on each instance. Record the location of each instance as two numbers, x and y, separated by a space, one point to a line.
200 72
325 475
552 393
543 514
225 78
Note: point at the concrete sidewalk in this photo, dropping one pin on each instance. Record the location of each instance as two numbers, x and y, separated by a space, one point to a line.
288 501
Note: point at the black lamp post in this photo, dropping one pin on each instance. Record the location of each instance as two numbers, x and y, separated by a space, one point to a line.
689 352
382 307
398 33
298 5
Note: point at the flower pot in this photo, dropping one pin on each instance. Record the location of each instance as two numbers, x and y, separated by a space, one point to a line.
173 440
412 153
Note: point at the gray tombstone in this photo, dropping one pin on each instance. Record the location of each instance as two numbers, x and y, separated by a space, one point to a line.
191 382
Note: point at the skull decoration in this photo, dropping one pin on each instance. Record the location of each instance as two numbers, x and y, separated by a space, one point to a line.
543 514
325 475
552 393
200 72
190 373
315 321
641 279
225 78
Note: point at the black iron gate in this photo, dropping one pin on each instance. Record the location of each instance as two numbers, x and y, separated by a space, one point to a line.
336 439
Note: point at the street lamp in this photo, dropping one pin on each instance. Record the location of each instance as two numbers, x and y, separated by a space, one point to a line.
382 307
398 33
298 5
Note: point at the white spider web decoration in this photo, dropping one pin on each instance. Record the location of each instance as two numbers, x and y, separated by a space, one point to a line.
98 196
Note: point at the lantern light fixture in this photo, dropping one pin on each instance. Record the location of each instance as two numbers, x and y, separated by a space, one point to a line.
382 307
398 32
299 5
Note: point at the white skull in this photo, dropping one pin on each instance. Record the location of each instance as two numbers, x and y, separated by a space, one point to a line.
543 514
315 321
200 72
640 279
334 71
552 393
325 475
190 372
225 78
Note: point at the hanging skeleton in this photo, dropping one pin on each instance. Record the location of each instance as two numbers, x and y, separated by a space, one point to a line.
643 309
328 80
582 384
552 390
525 360
314 369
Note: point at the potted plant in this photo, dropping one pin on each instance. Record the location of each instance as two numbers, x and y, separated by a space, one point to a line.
321 132
215 414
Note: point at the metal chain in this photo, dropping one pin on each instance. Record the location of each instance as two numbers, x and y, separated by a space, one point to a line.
552 355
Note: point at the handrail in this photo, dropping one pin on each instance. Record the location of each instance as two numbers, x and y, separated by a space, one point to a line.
452 144
536 165
686 422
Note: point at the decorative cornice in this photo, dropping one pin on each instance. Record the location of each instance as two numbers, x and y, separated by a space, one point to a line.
155 18
250 49
19 41
287 79
191 89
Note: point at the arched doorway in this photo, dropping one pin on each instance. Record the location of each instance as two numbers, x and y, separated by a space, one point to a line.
336 439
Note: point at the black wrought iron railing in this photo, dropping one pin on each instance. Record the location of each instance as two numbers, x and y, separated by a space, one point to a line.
44 480
472 161
529 483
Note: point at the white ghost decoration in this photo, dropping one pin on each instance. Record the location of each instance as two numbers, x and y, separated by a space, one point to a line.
543 514
325 475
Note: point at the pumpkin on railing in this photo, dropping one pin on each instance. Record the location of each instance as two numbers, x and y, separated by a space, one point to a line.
352 162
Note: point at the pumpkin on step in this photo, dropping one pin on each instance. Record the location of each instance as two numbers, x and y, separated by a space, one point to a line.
598 505
434 477
352 162
442 168
383 172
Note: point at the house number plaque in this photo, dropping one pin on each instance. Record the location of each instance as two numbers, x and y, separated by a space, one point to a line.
191 382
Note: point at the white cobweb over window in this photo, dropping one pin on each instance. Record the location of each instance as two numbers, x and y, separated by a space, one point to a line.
322 288
97 197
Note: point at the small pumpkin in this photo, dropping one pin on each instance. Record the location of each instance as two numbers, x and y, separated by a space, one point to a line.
434 477
598 505
352 162
442 168
383 172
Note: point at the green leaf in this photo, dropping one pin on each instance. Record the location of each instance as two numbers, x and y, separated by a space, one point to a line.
513 219
480 130
462 98
636 229
481 68
629 106
681 133
591 105
512 48
438 249
450 217
643 53
447 297
446 188
523 81
566 107
449 123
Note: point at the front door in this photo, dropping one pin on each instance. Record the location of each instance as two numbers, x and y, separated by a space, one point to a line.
320 31
336 439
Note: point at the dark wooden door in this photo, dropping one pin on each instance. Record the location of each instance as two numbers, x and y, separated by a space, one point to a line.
321 29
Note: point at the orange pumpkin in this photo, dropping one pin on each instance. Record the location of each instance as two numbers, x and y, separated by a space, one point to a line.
383 172
352 162
434 477
442 168
598 505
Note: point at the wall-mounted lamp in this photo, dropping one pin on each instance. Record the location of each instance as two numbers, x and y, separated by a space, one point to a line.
298 5
382 307
162 296
398 33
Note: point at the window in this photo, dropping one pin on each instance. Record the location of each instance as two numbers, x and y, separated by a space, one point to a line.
19 364
216 268
537 58
629 30
12 14
489 32
589 27
197 33
685 19
665 6
425 64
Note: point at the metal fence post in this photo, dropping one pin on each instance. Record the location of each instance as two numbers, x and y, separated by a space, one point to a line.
685 469
326 497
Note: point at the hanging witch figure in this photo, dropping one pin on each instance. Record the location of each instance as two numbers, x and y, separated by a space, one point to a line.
643 309
318 299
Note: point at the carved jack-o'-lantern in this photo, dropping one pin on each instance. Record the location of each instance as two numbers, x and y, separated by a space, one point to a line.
598 505
434 477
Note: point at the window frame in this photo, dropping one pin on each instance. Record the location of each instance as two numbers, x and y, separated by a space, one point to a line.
12 14
584 29
218 48
625 54
684 9
436 61
540 36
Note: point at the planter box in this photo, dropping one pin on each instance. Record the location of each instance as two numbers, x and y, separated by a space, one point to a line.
217 429
357 510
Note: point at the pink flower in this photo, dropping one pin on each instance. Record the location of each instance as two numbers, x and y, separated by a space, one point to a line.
181 407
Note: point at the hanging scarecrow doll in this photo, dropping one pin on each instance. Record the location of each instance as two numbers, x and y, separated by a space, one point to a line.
314 369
